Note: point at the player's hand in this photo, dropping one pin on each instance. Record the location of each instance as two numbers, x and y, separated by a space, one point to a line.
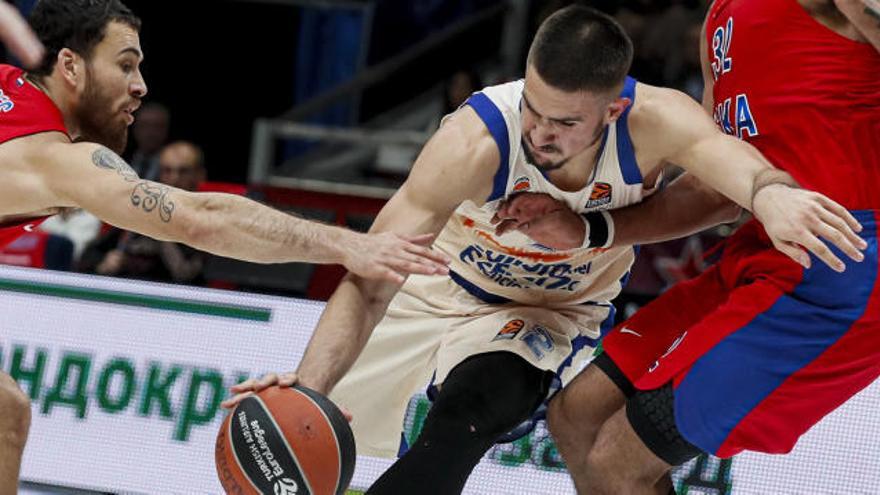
16 34
391 257
795 219
112 263
251 386
544 219
522 208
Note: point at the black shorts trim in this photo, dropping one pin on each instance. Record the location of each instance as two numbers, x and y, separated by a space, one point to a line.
604 362
651 413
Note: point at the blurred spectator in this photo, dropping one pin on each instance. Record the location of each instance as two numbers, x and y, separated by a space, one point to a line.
150 132
124 254
458 88
692 75
670 48
393 161
80 226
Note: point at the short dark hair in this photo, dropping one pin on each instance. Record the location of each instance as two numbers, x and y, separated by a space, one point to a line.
581 49
75 24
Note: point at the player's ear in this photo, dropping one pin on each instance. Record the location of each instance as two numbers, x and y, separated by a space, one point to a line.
615 109
71 67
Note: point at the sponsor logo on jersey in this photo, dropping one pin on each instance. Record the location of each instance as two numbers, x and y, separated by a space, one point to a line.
6 105
509 330
600 195
522 184
19 82
513 272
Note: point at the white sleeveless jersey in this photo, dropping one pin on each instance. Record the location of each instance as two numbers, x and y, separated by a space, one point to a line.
512 267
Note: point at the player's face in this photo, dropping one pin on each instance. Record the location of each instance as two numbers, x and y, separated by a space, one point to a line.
179 169
558 125
113 87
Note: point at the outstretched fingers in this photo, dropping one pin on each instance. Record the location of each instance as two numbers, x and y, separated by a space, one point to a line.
252 386
838 230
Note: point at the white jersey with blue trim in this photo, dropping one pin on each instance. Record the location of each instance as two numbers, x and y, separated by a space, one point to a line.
512 267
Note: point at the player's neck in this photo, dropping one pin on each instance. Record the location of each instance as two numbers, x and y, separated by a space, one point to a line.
51 89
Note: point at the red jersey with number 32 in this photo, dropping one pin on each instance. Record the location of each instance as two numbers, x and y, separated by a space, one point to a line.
24 110
805 96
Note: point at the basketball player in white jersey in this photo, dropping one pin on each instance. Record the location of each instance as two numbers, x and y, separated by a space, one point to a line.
495 335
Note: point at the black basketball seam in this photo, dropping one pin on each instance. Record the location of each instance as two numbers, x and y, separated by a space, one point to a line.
235 454
286 444
335 442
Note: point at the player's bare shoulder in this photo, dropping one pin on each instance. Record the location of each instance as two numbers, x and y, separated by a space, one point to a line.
475 140
655 105
459 160
660 121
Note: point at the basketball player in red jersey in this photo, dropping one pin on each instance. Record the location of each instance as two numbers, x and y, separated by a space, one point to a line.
60 128
755 351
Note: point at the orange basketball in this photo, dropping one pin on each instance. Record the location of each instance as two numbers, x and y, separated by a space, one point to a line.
285 441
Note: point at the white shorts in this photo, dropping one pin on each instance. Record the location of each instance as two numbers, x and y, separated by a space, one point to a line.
431 326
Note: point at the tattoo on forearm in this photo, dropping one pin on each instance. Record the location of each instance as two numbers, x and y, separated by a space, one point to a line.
104 158
151 196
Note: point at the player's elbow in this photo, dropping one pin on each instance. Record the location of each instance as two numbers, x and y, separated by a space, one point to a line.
194 220
729 212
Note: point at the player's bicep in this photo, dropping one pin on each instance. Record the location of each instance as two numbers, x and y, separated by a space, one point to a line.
457 164
96 179
407 214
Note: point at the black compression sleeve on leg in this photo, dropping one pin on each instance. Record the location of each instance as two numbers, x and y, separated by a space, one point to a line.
483 398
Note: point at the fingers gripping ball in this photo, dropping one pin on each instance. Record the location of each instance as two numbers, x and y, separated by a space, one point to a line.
285 441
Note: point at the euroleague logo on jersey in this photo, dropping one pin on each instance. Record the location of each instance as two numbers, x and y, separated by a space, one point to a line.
6 104
600 195
522 184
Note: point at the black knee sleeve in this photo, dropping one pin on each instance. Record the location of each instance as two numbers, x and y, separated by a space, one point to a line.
490 394
652 415
483 398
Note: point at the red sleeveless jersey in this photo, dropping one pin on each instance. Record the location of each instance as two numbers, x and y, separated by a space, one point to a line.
805 96
24 110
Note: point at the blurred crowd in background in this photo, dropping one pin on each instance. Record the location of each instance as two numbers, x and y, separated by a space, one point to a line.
405 64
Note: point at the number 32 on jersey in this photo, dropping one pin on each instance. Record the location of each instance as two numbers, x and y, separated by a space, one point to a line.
733 115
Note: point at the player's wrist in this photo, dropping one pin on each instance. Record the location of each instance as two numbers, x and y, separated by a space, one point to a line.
768 179
599 229
346 246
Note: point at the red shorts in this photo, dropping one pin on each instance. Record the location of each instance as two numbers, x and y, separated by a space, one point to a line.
757 349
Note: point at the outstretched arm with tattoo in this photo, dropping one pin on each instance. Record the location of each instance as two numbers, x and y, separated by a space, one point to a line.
92 177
